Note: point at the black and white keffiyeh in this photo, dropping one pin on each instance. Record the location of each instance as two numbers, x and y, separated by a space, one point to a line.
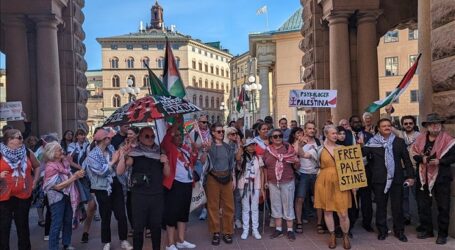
16 159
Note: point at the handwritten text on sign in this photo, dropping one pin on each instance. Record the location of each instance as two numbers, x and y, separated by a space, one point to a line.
313 98
11 111
350 168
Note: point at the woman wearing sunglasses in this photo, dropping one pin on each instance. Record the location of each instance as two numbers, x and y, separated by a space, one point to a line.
147 169
16 185
100 166
262 139
280 159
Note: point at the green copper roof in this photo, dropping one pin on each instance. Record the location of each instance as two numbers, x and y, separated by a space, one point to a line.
294 22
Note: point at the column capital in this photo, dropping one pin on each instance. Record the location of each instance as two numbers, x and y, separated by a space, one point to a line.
14 21
368 16
50 21
334 17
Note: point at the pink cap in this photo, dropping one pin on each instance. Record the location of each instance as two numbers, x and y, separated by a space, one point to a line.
103 133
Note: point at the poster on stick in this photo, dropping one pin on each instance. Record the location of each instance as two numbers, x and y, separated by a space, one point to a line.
11 111
313 98
350 168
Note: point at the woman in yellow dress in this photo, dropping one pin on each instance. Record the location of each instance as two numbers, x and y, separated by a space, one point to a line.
328 195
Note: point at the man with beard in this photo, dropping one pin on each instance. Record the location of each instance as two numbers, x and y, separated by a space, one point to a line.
385 152
434 152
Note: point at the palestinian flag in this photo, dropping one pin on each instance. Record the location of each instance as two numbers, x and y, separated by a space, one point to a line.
405 82
172 79
243 97
156 87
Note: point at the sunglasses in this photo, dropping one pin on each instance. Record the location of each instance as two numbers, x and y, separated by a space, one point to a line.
220 131
19 137
233 134
203 122
408 123
146 136
277 136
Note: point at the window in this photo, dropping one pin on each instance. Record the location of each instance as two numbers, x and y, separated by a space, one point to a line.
388 93
227 73
145 81
206 101
114 47
145 62
211 69
412 59
206 67
160 62
114 63
222 72
145 46
218 118
414 95
217 102
194 81
200 83
193 49
130 63
211 85
391 66
200 66
116 101
391 36
116 81
177 62
217 71
413 34
129 47
193 64
206 83
217 85
222 86
212 102
133 79
160 46
216 57
194 99
175 46
201 102
213 119
205 53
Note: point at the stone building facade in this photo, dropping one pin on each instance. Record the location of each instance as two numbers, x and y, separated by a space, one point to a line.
204 67
43 44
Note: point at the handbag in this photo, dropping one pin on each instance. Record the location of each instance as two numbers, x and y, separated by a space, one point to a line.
198 197
222 179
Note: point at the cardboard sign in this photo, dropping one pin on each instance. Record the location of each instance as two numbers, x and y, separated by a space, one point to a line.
313 98
11 111
350 168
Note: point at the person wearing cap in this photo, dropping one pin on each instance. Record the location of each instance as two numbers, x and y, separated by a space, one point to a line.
434 152
148 169
250 185
100 166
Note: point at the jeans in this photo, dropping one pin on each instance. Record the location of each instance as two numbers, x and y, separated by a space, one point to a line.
238 204
253 207
62 215
16 209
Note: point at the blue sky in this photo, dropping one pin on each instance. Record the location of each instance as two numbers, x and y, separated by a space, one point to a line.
228 21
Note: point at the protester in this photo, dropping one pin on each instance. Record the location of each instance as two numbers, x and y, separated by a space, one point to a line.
62 193
345 124
328 195
283 123
32 143
148 166
250 187
280 159
130 143
294 124
385 152
16 183
120 137
269 120
100 166
68 138
220 185
27 127
239 124
262 138
368 123
434 152
178 188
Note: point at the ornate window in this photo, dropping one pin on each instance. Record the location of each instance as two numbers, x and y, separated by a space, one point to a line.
132 79
116 81
217 102
116 101
206 101
130 63
177 62
211 85
212 102
200 83
194 99
194 81
114 63
160 62
201 101
206 83
145 81
145 61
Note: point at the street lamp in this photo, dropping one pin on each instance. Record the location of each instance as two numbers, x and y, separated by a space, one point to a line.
253 88
222 109
130 90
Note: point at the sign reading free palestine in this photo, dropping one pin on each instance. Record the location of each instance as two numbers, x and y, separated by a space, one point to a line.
313 98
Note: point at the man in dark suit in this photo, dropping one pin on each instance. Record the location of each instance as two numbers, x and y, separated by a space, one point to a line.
386 176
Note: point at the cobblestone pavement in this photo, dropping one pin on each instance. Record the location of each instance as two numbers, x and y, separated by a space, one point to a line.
197 232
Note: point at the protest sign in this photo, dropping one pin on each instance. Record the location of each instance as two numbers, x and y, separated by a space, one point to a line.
350 168
11 111
313 98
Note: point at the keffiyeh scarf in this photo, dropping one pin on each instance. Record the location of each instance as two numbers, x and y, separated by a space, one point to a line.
280 159
16 159
146 151
378 141
98 163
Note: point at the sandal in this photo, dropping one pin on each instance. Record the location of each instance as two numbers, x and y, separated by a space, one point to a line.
227 238
320 229
216 239
299 228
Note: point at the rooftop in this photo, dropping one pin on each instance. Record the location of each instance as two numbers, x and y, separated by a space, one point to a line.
293 23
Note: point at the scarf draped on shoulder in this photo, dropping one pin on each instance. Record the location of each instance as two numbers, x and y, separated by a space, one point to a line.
288 157
146 151
16 159
378 141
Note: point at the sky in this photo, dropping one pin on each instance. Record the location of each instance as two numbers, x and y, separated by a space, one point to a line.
227 21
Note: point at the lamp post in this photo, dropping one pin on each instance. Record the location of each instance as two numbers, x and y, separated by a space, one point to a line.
252 88
222 109
130 90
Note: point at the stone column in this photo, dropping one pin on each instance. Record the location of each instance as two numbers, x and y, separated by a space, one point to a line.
264 109
367 61
340 69
17 63
424 47
48 71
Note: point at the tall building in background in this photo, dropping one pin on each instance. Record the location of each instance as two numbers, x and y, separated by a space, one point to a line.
95 104
204 67
397 51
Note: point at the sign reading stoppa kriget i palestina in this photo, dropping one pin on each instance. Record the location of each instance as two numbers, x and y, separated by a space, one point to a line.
313 98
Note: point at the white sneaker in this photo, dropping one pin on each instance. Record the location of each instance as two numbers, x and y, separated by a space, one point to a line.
203 215
46 237
185 244
171 247
257 235
244 235
107 246
238 224
126 245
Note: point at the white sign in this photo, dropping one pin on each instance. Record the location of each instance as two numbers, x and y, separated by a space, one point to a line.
11 111
313 98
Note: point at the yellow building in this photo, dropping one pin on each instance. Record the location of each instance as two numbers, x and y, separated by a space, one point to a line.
397 51
204 67
95 104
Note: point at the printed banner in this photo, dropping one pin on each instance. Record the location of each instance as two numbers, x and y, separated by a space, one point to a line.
11 111
350 168
313 98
